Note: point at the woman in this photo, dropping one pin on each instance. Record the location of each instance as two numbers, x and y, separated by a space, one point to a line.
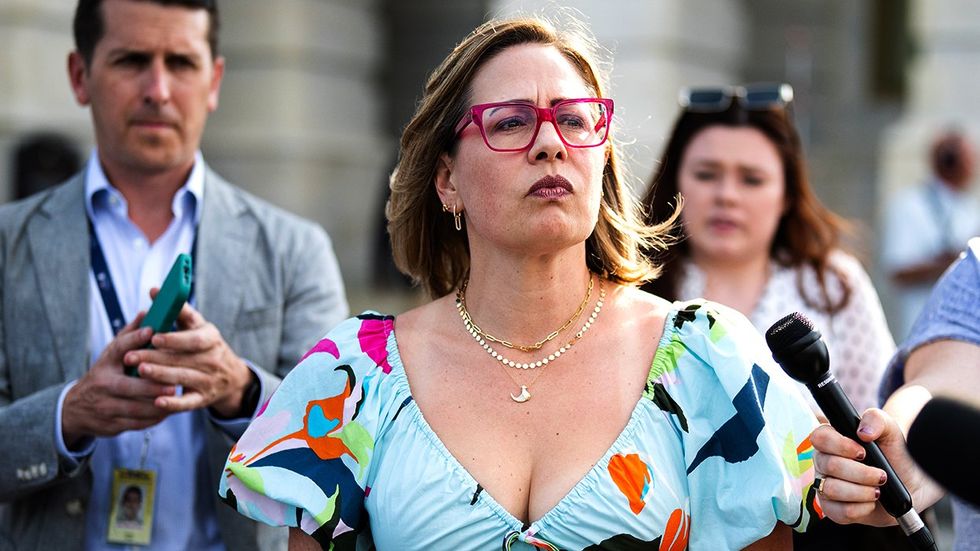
754 236
541 399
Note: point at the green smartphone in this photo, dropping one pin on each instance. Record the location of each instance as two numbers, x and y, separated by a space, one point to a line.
169 300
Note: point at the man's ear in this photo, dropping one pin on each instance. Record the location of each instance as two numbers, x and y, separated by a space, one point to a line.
78 78
445 188
218 72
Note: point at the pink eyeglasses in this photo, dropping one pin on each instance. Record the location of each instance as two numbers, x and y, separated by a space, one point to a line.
513 126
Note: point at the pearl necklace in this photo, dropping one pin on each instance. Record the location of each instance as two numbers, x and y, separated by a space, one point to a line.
482 341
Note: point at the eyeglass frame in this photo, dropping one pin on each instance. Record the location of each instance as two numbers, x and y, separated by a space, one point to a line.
544 114
782 97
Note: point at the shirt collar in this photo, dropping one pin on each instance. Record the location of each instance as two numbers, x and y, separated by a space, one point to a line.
101 195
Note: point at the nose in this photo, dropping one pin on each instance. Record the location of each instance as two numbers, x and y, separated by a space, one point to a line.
726 190
156 84
547 144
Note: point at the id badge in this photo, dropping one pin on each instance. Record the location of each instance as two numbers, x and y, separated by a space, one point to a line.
131 516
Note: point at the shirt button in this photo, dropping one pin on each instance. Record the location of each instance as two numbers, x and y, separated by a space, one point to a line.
73 507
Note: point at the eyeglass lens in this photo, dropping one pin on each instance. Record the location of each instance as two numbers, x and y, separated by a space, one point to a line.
512 126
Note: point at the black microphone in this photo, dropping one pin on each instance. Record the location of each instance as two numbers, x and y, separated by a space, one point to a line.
798 348
944 440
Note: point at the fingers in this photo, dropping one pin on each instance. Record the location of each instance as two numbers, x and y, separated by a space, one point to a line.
190 318
827 440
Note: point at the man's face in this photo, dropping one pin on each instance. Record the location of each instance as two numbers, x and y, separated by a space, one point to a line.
151 84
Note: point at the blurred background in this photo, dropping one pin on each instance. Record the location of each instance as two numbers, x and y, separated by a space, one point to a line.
317 91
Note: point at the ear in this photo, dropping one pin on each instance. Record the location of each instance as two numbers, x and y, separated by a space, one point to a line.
218 72
78 78
445 187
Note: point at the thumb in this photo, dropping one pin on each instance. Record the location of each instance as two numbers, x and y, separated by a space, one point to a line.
876 425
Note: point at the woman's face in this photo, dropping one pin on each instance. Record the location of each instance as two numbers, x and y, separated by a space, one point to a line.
530 202
734 194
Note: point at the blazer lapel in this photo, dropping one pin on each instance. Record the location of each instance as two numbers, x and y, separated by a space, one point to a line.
58 238
225 244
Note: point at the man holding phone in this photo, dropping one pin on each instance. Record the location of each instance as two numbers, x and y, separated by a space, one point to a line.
77 264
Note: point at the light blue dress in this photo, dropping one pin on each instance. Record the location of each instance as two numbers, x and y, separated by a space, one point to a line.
715 452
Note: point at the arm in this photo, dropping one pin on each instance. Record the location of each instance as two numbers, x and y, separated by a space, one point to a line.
926 271
301 541
780 539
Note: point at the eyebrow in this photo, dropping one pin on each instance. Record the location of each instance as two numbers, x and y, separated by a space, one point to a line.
532 102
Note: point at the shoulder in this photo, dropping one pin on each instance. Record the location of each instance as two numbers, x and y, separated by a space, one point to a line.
16 214
272 218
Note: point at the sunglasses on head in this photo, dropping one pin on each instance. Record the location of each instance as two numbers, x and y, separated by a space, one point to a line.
753 97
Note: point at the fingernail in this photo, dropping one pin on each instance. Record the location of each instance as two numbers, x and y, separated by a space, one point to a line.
860 455
146 370
130 359
877 494
145 332
865 430
883 478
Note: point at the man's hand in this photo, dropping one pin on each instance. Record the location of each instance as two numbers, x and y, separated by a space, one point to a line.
198 358
851 489
106 402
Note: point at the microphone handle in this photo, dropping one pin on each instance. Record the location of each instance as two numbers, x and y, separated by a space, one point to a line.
837 407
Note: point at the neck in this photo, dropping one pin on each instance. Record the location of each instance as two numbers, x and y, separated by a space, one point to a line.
149 196
525 299
737 284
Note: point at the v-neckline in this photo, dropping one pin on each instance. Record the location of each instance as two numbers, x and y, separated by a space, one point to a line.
591 476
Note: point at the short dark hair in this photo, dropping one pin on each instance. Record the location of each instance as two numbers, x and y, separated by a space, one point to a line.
89 26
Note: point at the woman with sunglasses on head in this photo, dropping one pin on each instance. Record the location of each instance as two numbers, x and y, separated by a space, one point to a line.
753 235
541 400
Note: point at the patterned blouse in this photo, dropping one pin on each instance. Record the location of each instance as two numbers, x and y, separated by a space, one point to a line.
857 337
715 452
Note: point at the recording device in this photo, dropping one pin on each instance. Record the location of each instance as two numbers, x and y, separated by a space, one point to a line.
799 349
944 440
170 299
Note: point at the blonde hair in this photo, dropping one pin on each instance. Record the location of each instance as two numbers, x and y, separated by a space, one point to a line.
424 242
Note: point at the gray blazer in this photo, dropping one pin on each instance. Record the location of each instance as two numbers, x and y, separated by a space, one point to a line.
267 279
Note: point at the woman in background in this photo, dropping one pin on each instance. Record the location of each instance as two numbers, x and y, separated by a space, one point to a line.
755 237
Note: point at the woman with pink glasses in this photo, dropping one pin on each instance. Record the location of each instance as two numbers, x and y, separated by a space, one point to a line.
541 399
755 237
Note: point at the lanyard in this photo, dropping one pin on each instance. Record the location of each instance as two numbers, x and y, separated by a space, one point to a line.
103 279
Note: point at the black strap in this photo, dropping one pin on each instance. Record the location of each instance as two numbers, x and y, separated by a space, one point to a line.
103 279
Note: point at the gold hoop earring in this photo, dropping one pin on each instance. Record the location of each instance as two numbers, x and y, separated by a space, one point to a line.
457 219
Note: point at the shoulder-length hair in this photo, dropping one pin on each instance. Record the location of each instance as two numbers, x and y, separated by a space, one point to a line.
424 242
807 233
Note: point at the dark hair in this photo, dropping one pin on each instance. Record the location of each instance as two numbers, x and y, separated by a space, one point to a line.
133 489
949 156
807 232
88 25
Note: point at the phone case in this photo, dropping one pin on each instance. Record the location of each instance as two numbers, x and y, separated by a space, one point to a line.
173 294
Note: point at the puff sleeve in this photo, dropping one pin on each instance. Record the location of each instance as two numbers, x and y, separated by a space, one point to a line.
305 460
743 425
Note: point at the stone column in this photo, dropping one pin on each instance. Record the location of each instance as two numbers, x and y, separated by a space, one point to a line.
35 38
299 119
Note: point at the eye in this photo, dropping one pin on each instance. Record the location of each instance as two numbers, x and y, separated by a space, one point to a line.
705 175
179 62
573 121
753 179
131 60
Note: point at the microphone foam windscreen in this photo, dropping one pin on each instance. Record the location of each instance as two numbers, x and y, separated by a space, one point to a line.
788 330
944 440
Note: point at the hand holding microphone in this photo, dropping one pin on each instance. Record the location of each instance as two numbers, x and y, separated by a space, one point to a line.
798 348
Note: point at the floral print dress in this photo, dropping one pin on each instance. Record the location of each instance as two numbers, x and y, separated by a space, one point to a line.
716 451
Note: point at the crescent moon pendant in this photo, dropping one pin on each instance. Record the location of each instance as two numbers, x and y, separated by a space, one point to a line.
524 396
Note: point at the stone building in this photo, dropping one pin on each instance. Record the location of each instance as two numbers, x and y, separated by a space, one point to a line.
316 91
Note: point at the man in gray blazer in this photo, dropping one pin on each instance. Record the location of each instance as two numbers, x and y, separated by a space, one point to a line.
76 263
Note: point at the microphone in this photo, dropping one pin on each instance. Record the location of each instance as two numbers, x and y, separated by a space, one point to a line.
944 440
799 349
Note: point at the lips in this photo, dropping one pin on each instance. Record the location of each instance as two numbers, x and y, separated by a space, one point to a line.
552 185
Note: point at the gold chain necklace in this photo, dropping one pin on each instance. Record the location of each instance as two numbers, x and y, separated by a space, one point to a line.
525 395
461 300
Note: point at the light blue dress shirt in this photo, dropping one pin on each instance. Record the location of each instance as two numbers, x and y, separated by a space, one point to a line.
184 515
